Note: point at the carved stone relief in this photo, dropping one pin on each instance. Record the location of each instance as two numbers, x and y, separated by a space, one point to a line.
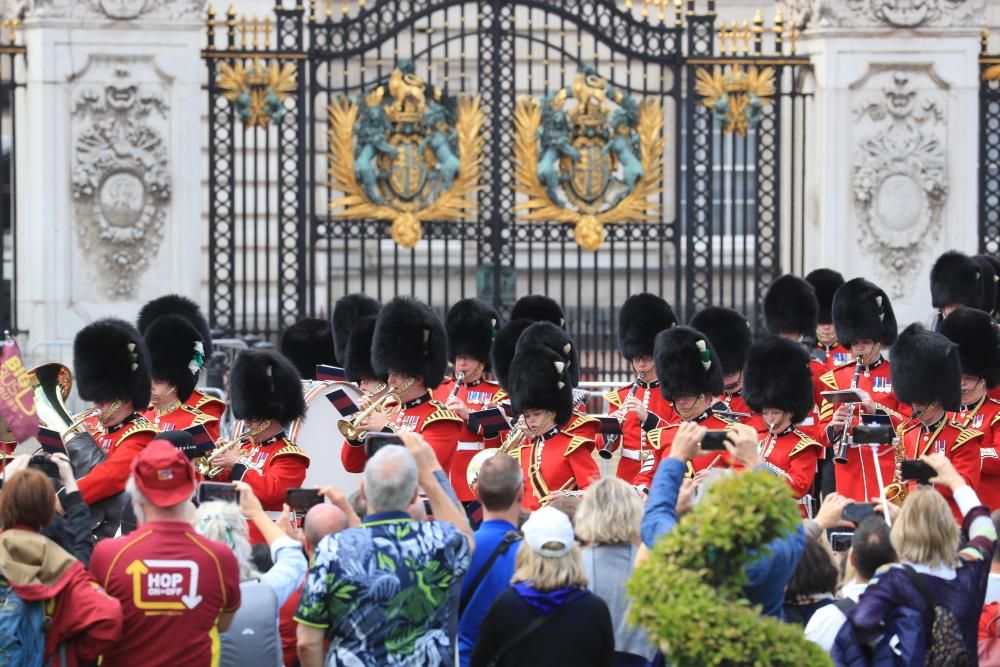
899 173
884 13
121 175
120 10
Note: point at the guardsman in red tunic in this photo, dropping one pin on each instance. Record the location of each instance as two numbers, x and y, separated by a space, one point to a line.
730 335
691 380
176 357
410 347
639 406
866 324
552 460
979 351
173 304
828 348
778 387
111 365
927 375
357 359
266 395
471 325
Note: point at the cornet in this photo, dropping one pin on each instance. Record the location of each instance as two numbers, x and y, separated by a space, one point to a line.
203 464
349 427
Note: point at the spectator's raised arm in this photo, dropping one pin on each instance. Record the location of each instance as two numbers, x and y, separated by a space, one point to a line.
432 479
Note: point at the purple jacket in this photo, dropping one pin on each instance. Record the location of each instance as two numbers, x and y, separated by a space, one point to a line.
963 595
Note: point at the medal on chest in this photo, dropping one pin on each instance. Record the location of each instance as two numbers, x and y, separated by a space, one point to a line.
407 423
841 358
881 385
478 398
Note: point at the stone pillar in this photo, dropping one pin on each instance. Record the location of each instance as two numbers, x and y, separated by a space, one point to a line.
894 169
109 174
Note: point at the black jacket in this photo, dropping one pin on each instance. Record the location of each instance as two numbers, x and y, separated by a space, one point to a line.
72 530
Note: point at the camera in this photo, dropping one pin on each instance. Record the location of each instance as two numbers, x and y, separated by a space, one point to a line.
872 434
43 463
376 441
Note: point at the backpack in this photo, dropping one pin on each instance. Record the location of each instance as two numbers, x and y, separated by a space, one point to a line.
22 629
945 642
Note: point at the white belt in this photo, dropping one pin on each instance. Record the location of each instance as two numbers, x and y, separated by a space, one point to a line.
633 454
272 515
469 446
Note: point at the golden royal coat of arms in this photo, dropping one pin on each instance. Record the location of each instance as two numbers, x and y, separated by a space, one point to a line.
576 167
405 153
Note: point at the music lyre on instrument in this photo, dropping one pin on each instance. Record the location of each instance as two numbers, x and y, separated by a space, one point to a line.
349 427
609 443
840 454
513 440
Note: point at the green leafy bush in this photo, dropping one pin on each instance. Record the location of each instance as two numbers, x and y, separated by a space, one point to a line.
688 594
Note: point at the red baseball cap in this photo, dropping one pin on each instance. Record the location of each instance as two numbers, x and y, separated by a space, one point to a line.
163 474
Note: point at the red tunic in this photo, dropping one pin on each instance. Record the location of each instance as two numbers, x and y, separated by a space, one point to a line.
477 396
857 479
179 416
661 439
270 468
556 461
634 435
832 356
948 437
792 455
207 404
121 444
985 416
439 426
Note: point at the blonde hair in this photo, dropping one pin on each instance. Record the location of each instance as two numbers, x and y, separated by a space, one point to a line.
925 531
223 522
547 574
611 513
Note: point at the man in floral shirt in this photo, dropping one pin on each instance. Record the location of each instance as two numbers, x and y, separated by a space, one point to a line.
379 593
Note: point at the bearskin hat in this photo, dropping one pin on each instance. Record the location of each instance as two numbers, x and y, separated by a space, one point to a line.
825 282
346 312
791 307
556 339
729 333
538 308
926 368
504 345
861 310
978 343
471 325
991 278
176 352
686 363
265 385
307 344
777 375
358 352
410 339
539 380
994 263
111 363
640 318
174 304
956 278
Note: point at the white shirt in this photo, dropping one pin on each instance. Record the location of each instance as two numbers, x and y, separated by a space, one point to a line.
825 622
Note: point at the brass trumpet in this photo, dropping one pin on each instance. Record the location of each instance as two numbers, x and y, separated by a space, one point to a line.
349 427
513 441
203 464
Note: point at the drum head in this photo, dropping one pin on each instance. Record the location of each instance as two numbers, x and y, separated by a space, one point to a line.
319 436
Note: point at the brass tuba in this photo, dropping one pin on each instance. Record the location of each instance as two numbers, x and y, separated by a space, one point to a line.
52 384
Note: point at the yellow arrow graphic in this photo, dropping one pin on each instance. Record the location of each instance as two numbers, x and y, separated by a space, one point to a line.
137 568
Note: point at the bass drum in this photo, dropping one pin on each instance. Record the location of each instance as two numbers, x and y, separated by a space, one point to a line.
319 436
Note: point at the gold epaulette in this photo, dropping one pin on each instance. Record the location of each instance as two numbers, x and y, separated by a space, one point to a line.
139 425
613 398
206 399
290 449
804 442
498 397
575 443
653 437
580 420
966 435
441 414
830 380
199 416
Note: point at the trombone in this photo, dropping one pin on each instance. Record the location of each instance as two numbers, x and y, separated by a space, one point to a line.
349 427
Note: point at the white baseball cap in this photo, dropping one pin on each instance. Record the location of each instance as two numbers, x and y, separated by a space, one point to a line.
546 526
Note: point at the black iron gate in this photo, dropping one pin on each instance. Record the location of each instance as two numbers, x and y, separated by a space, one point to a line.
989 150
12 66
730 210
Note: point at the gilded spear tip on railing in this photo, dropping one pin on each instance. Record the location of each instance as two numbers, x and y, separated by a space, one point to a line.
210 23
711 7
984 41
758 32
678 13
779 32
231 27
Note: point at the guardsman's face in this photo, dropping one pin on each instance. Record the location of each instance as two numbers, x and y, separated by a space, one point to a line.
160 388
949 309
826 331
538 421
368 384
472 368
685 402
969 382
773 417
645 367
862 348
396 380
732 379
